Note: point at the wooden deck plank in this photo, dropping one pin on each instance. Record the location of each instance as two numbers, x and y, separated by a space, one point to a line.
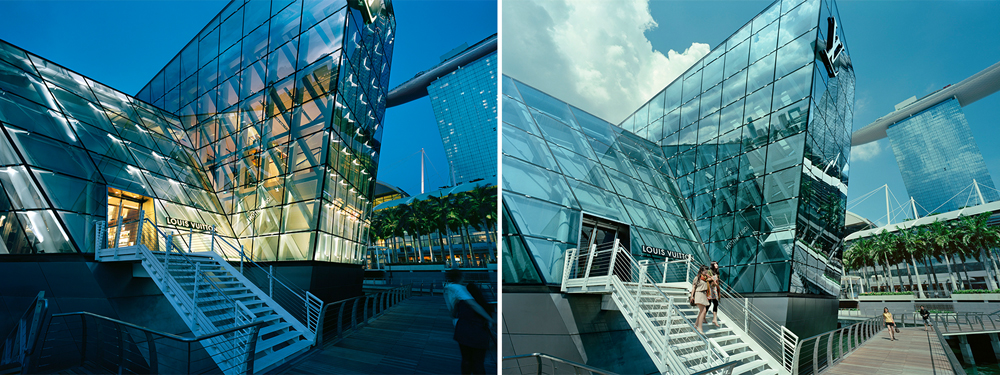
915 351
414 337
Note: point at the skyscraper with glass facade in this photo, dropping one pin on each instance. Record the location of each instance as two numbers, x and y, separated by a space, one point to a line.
939 159
743 159
465 107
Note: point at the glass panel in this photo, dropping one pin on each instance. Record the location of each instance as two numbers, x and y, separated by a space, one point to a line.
42 230
793 87
539 219
526 147
789 120
535 182
781 185
322 39
737 59
298 246
516 114
798 21
300 216
758 104
785 153
545 103
692 86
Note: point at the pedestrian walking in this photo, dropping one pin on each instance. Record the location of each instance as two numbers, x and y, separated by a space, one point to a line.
889 324
926 315
699 296
473 325
713 293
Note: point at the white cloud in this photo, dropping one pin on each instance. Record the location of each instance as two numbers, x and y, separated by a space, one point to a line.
865 152
591 54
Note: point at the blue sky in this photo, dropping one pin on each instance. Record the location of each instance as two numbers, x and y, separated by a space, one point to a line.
124 43
900 49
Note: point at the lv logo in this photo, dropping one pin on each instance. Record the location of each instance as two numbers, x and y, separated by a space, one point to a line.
833 47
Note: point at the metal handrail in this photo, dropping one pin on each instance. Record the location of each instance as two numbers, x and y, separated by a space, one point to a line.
20 343
555 370
956 366
723 369
971 319
856 335
134 349
599 267
780 342
380 303
312 304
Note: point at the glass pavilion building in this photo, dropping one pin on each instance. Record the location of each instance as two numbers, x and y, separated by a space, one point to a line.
266 126
743 159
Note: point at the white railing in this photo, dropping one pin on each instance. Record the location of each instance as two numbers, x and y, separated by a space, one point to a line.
675 344
300 304
777 341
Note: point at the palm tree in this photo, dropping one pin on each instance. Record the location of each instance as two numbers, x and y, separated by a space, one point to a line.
881 249
940 239
915 246
484 200
976 236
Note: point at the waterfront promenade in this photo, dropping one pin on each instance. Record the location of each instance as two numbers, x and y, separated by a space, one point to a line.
413 337
915 352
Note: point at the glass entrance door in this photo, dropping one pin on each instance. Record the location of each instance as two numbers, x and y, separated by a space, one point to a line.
123 216
597 235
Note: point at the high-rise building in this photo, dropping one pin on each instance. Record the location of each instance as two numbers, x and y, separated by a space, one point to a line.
937 155
743 159
463 92
465 106
938 158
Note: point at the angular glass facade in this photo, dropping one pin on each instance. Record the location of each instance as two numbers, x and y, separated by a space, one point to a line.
67 139
562 166
757 134
266 126
939 158
283 102
465 107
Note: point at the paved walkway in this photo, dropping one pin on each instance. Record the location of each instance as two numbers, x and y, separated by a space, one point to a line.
413 337
915 352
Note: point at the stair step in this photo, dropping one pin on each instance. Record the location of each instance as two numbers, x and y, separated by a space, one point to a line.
267 344
287 352
746 368
769 371
744 355
731 348
274 328
216 297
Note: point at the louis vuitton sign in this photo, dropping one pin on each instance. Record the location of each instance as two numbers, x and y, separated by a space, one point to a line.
187 224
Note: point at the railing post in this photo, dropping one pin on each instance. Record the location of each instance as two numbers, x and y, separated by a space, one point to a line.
687 270
746 315
829 350
590 262
638 290
197 268
241 259
815 355
190 239
166 256
211 240
611 264
138 227
118 232
666 266
568 267
270 280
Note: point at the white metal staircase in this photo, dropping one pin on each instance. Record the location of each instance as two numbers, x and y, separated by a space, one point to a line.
653 299
211 295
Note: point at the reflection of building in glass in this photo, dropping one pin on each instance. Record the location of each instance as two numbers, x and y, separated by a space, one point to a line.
938 158
463 93
743 159
283 105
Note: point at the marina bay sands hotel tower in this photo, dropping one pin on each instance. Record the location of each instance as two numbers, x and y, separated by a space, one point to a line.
930 137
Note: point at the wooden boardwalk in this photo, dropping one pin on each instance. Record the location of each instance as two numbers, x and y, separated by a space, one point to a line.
413 337
915 351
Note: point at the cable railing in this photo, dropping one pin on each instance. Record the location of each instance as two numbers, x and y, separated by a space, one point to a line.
777 340
818 353
20 343
341 317
610 267
544 364
301 304
100 344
